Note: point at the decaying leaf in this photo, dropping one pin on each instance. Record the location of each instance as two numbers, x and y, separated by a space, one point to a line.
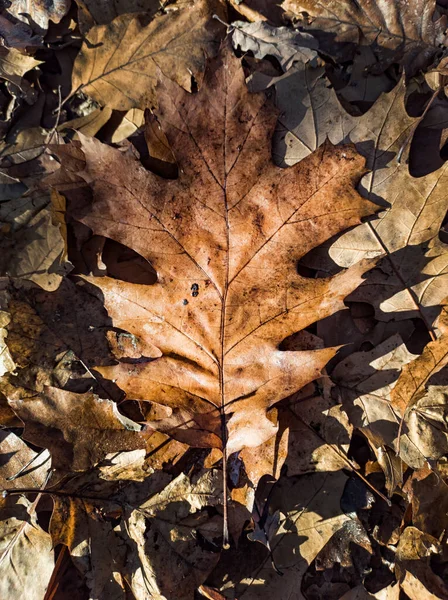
119 63
224 239
164 545
410 33
90 427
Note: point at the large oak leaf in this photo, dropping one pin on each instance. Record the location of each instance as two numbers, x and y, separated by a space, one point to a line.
224 239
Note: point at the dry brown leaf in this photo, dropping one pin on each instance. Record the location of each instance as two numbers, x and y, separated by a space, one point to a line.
33 245
89 427
411 386
21 466
349 549
89 124
155 546
224 239
7 364
48 333
403 412
262 39
312 514
409 33
119 63
102 12
310 112
13 66
427 493
413 278
365 380
26 552
313 436
413 569
38 13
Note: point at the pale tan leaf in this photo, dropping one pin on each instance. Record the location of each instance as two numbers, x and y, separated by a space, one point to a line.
119 63
406 32
38 13
33 244
284 44
26 552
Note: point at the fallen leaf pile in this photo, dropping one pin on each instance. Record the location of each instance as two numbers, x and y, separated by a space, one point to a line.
224 300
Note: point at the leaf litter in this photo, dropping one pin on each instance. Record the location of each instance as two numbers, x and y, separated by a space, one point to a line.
223 299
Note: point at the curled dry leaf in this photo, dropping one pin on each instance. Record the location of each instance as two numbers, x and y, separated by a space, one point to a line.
410 33
413 569
38 13
224 239
282 43
119 63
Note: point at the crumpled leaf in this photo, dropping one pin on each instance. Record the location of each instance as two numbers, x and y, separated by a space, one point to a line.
402 412
229 231
282 43
156 546
90 427
26 552
413 569
118 64
409 33
38 13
